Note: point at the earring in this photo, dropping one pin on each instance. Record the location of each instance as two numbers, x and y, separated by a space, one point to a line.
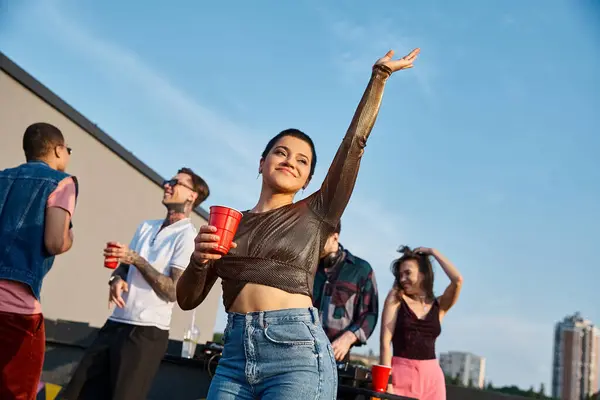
257 175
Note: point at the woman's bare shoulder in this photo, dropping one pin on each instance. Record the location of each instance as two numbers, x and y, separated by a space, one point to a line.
393 297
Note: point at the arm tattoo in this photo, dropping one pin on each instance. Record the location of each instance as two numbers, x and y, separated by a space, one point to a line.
163 285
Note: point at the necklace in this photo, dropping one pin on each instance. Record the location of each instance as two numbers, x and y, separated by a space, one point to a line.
421 300
423 304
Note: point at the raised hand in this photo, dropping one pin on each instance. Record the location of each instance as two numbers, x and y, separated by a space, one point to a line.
424 250
396 65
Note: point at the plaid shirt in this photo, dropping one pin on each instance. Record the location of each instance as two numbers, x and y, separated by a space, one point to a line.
346 296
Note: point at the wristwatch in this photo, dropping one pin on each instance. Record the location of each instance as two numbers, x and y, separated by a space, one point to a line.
112 279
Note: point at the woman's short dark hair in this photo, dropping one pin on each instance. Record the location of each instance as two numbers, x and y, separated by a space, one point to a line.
425 268
298 134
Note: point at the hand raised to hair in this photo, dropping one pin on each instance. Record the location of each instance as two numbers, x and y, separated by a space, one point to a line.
396 65
424 250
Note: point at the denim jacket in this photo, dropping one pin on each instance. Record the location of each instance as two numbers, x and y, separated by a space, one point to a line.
24 191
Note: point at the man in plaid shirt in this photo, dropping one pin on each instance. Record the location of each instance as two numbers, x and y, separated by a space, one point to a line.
345 293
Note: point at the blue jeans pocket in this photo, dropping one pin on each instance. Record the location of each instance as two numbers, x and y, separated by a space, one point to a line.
295 333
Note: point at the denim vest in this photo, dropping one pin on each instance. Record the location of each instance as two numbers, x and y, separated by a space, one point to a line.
24 191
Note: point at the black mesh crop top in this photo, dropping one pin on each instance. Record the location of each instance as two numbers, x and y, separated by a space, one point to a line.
281 247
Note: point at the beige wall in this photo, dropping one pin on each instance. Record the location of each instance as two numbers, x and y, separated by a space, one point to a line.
76 288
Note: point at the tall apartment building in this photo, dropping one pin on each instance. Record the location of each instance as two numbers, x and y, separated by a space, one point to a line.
468 367
576 358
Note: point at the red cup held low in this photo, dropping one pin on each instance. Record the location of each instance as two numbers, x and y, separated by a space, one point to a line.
380 375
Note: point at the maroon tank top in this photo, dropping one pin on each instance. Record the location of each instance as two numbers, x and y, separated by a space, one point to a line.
414 338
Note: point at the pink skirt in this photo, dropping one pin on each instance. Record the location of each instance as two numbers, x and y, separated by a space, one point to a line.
421 379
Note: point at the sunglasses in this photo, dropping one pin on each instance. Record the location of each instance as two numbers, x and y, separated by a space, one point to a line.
69 150
175 182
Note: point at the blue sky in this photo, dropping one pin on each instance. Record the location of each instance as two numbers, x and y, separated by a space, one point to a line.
485 150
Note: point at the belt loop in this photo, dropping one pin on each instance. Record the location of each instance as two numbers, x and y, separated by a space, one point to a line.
261 319
315 315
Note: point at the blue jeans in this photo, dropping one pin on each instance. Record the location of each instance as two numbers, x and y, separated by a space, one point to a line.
281 354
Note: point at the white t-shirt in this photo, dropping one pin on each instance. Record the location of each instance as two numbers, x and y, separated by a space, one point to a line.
169 248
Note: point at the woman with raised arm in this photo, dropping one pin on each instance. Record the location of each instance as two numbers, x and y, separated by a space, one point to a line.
275 347
411 322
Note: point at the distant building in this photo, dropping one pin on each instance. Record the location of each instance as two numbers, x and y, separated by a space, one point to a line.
467 367
576 358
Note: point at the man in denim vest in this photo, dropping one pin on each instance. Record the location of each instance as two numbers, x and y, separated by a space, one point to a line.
37 201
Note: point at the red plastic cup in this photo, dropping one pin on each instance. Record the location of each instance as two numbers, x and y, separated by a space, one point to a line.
226 220
380 376
110 262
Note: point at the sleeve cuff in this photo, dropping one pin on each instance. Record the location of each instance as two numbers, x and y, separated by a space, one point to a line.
360 335
381 71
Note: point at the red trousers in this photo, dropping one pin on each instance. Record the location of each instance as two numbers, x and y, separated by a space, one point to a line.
22 345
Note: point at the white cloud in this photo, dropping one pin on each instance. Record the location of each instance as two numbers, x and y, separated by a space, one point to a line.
129 69
357 46
508 19
202 127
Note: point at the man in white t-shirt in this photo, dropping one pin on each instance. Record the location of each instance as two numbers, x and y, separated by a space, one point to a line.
125 356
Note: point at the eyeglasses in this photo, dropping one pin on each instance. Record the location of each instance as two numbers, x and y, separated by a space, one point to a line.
69 150
175 182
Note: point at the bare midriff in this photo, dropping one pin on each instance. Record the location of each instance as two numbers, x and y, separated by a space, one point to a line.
256 297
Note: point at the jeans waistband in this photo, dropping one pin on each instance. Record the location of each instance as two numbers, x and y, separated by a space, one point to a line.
414 363
262 318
